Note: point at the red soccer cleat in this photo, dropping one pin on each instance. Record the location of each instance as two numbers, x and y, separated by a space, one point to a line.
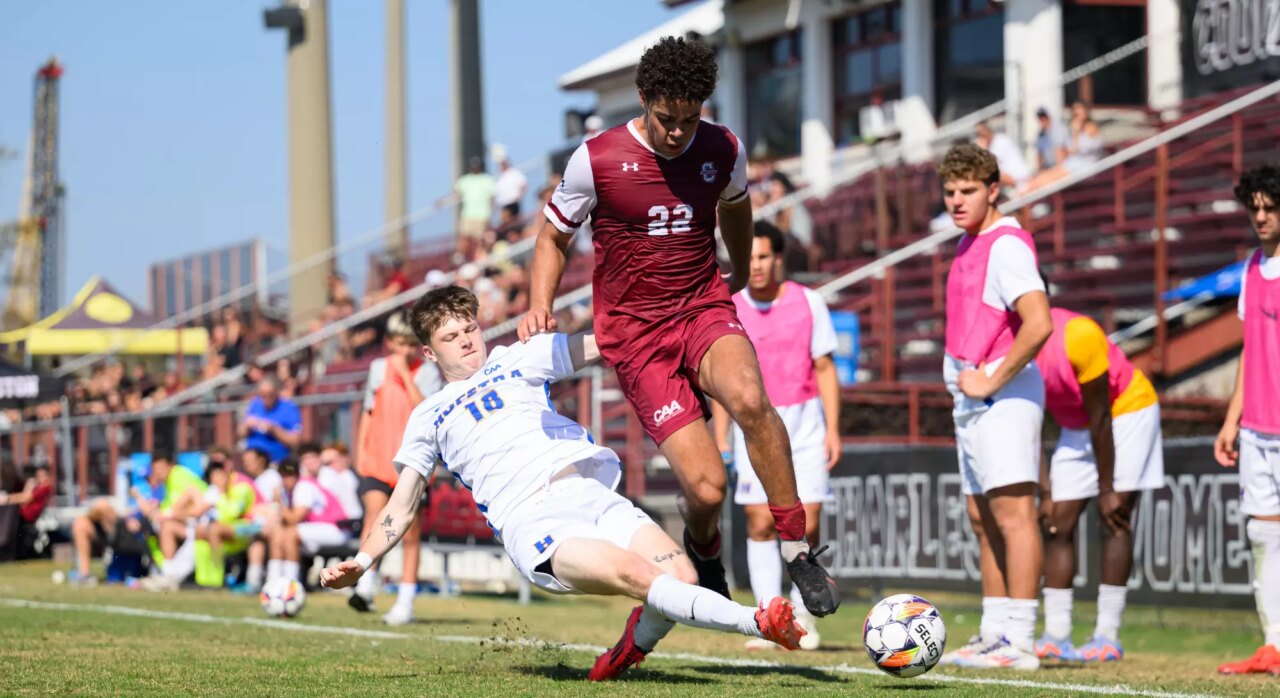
612 663
1265 660
777 622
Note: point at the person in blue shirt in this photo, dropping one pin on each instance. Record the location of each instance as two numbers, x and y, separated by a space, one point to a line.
271 423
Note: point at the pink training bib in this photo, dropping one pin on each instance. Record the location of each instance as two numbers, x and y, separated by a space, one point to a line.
783 336
332 512
1261 350
1062 395
977 332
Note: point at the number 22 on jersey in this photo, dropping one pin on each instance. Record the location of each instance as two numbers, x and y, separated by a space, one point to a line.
664 221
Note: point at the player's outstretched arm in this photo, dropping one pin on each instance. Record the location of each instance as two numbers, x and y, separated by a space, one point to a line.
548 265
583 350
737 228
392 522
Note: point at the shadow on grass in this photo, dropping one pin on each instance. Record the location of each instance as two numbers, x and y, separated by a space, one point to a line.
915 686
811 674
564 672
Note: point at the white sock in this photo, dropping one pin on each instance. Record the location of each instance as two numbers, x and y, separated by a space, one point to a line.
253 576
405 594
1110 607
765 564
1020 628
651 628
273 569
183 562
791 549
1057 612
367 585
995 611
701 608
1264 536
289 569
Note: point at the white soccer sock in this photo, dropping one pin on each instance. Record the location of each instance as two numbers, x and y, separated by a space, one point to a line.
273 569
405 593
253 576
183 562
1020 627
1110 607
995 611
701 608
1265 539
765 564
1057 612
289 569
651 628
367 585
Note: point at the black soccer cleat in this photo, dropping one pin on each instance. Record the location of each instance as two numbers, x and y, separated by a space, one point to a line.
360 603
710 570
817 588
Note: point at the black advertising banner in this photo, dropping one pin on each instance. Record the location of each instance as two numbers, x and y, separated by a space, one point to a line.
1228 44
899 521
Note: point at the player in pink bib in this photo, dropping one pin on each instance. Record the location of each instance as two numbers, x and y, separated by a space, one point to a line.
311 520
997 320
1253 416
791 329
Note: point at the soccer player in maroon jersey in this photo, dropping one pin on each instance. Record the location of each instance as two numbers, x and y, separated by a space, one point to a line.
653 189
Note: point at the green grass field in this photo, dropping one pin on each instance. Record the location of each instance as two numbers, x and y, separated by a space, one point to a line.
116 641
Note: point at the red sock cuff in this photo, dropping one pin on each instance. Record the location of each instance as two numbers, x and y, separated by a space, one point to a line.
789 521
708 550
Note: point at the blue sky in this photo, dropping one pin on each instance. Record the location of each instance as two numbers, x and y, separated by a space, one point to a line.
173 126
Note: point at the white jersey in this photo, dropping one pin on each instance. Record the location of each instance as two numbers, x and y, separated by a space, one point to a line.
498 433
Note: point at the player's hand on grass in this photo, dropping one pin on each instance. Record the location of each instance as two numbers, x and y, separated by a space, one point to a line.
341 575
1224 447
1114 513
536 321
975 383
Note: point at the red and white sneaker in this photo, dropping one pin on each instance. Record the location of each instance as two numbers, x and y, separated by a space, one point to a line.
777 622
625 654
1265 660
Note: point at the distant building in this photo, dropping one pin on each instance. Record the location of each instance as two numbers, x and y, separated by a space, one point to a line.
177 285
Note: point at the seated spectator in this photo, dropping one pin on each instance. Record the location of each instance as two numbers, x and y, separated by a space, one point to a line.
256 466
1013 166
794 222
124 531
30 502
307 524
394 282
337 476
1085 149
1051 141
271 423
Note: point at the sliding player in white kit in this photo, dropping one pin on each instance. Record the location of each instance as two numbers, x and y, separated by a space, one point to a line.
791 329
545 487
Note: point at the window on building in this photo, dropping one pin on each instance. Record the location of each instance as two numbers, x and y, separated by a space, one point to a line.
773 96
868 61
968 55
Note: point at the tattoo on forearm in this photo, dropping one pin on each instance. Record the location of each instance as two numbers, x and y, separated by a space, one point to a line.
391 535
387 521
659 559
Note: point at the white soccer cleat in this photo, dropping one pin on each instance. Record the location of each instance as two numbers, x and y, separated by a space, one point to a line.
961 655
161 583
1003 655
811 640
759 644
398 615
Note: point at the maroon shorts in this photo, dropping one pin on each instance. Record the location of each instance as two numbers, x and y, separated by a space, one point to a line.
657 366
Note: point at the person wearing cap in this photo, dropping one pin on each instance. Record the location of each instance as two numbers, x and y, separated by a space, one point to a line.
510 187
1051 141
475 191
396 384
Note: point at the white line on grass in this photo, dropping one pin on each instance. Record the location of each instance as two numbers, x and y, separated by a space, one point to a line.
1098 689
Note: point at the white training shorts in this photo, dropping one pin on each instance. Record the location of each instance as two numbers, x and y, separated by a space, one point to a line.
1073 470
569 507
315 535
1259 474
1000 445
813 480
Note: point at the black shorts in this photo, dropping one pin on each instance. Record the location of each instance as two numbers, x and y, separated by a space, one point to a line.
373 484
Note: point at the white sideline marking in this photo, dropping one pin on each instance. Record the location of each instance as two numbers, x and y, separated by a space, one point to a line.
1098 689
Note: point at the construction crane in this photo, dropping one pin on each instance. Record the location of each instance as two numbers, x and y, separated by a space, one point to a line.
37 262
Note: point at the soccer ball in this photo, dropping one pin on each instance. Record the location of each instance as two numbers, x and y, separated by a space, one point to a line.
904 635
283 598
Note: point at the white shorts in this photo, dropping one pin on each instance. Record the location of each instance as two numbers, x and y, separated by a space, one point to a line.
570 507
1259 474
315 535
1000 445
813 480
1073 470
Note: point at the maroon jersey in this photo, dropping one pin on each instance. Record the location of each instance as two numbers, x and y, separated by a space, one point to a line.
652 222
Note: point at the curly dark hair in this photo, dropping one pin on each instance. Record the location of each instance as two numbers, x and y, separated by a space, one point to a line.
438 305
969 161
1263 180
680 69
